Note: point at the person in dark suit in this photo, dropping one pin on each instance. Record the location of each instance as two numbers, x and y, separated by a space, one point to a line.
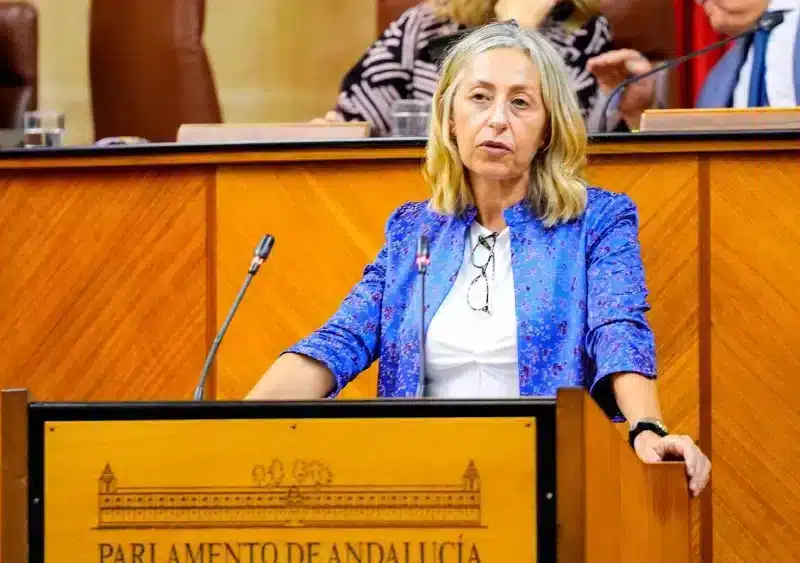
758 71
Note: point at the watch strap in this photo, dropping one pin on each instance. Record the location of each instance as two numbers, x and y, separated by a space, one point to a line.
653 425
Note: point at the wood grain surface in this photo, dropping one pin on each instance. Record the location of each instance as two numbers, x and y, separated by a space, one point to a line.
104 282
328 222
116 272
755 357
665 190
14 475
315 151
612 508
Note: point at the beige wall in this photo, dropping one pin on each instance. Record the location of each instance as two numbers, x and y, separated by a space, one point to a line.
284 59
63 66
274 60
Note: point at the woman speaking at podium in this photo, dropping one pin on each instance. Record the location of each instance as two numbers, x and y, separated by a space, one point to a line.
535 279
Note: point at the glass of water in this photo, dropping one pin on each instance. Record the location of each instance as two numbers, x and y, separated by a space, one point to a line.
43 129
410 118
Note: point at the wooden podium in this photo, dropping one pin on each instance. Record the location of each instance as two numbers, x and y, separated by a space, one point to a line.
363 481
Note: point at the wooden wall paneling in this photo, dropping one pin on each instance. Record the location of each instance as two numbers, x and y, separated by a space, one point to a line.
166 158
703 512
361 149
328 220
612 508
103 282
211 283
279 198
755 346
14 476
665 191
106 285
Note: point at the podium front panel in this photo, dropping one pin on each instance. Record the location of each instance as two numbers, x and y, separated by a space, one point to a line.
373 482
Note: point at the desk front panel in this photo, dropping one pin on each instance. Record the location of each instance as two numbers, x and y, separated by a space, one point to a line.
104 284
115 277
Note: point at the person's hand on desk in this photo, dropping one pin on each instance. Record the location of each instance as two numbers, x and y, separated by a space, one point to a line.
652 448
638 400
612 68
330 117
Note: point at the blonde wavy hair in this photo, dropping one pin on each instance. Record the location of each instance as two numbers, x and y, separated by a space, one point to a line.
474 13
557 191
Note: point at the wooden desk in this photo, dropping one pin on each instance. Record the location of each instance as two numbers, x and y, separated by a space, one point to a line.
117 264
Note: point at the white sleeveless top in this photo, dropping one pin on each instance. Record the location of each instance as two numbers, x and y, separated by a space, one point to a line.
473 354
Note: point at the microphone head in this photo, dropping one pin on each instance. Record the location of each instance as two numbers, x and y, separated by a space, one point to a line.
260 254
423 254
264 247
770 20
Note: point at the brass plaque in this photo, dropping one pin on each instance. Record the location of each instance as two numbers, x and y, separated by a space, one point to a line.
412 490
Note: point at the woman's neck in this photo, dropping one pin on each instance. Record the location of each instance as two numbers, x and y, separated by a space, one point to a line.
492 197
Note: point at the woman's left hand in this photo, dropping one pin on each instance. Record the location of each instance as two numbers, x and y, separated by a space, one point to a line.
652 448
528 13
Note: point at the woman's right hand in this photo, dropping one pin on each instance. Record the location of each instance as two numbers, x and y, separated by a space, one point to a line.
612 68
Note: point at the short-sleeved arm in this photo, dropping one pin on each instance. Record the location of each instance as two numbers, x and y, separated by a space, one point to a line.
619 338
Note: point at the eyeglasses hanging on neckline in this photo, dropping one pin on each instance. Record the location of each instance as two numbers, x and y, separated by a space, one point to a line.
484 248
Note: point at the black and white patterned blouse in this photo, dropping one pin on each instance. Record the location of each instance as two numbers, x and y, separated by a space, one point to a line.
398 65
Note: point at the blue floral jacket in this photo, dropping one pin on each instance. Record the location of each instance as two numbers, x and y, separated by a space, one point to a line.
579 290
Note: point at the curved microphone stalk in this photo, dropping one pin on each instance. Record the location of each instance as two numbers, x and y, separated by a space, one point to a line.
767 22
259 256
423 261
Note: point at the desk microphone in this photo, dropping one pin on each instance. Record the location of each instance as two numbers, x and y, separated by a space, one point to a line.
423 261
767 22
259 256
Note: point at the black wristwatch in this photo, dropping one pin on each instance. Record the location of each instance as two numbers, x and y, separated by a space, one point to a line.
643 424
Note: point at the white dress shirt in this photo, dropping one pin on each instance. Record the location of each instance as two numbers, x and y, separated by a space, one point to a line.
779 59
473 354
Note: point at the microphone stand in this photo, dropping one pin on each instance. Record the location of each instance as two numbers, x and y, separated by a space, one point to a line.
423 261
260 255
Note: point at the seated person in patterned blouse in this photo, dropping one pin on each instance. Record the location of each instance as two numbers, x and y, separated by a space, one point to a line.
398 66
536 280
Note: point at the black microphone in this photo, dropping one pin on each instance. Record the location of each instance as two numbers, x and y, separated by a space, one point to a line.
259 256
423 261
767 22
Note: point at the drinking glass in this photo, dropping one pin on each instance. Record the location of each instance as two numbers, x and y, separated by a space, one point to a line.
43 128
410 118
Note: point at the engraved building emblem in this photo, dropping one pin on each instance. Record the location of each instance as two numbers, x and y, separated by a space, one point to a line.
301 496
